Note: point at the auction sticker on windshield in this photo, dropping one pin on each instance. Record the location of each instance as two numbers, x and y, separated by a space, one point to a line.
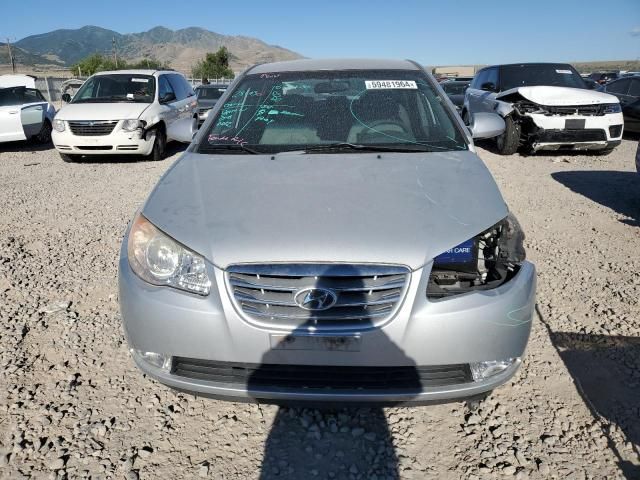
389 84
141 80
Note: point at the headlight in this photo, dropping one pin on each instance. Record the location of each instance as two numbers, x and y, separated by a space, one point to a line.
58 125
131 125
483 262
612 108
158 259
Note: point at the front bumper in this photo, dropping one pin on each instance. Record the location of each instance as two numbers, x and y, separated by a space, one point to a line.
118 142
475 327
598 133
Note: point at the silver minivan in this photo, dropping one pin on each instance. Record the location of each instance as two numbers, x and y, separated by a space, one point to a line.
330 235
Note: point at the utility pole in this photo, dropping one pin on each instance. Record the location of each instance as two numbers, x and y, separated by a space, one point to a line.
115 53
11 60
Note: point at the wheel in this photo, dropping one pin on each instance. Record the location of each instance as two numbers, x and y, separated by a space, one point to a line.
159 145
44 135
509 141
68 158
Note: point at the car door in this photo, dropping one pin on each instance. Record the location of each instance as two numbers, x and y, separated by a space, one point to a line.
22 113
186 123
473 93
168 99
631 107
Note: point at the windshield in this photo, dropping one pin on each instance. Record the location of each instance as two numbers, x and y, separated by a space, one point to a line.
397 109
210 93
117 87
13 96
561 75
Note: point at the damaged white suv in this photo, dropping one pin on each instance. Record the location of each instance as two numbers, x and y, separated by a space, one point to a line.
545 106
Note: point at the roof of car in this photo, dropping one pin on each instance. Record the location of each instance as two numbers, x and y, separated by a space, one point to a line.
136 72
333 64
525 63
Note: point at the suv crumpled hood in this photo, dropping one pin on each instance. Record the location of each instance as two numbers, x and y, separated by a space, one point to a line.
101 111
357 208
560 96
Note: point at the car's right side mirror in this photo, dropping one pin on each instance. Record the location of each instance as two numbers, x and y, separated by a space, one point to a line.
486 125
66 97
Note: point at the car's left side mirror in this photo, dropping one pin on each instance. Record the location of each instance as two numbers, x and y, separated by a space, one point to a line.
486 125
66 97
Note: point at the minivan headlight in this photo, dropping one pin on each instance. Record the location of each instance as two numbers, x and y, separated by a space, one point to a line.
483 262
612 108
160 260
131 124
58 125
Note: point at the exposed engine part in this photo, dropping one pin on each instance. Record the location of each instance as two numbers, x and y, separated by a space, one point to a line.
499 251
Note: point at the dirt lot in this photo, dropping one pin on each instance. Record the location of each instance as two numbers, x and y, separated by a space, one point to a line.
72 404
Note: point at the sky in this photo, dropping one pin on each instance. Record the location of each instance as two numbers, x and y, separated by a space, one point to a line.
444 32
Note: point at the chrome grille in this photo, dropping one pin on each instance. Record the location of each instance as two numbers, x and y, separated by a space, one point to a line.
364 295
92 128
585 110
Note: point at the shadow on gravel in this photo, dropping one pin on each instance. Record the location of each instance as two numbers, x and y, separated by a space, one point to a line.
617 190
335 440
605 370
25 146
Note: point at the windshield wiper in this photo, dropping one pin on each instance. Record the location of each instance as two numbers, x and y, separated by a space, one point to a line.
229 146
371 148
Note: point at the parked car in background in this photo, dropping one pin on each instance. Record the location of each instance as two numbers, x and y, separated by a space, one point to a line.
208 95
603 77
317 242
133 112
629 74
545 106
627 90
455 91
590 84
24 112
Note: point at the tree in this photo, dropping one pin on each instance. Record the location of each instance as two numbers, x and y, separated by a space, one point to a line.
214 65
99 63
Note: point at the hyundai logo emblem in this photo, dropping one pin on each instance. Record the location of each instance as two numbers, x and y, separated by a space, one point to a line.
315 299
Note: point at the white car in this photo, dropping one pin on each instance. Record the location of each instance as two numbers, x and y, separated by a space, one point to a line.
24 112
545 106
126 112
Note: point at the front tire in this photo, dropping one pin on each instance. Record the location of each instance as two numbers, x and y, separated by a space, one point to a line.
44 135
68 158
509 141
159 146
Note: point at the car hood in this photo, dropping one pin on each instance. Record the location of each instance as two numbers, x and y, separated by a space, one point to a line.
559 96
101 111
401 208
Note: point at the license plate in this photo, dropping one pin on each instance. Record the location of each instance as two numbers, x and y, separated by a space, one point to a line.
349 343
574 123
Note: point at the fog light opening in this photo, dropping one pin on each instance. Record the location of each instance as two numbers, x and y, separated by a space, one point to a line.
158 360
484 370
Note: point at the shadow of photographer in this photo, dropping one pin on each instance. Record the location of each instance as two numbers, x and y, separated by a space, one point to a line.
340 439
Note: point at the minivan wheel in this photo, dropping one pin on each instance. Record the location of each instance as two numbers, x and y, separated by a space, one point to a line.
509 141
159 144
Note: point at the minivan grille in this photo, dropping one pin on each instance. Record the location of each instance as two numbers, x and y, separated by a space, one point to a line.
323 295
91 128
320 377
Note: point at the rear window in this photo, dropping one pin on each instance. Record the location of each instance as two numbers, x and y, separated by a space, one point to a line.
552 75
210 93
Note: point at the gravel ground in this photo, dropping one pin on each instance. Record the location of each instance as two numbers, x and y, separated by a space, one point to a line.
72 404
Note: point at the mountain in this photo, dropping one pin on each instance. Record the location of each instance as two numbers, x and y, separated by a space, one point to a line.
179 48
23 57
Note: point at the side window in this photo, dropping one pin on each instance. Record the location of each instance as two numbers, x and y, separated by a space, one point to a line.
479 78
634 89
621 87
492 77
164 87
31 96
180 86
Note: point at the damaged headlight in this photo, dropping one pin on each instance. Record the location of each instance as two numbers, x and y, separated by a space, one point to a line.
160 260
483 262
131 125
612 108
